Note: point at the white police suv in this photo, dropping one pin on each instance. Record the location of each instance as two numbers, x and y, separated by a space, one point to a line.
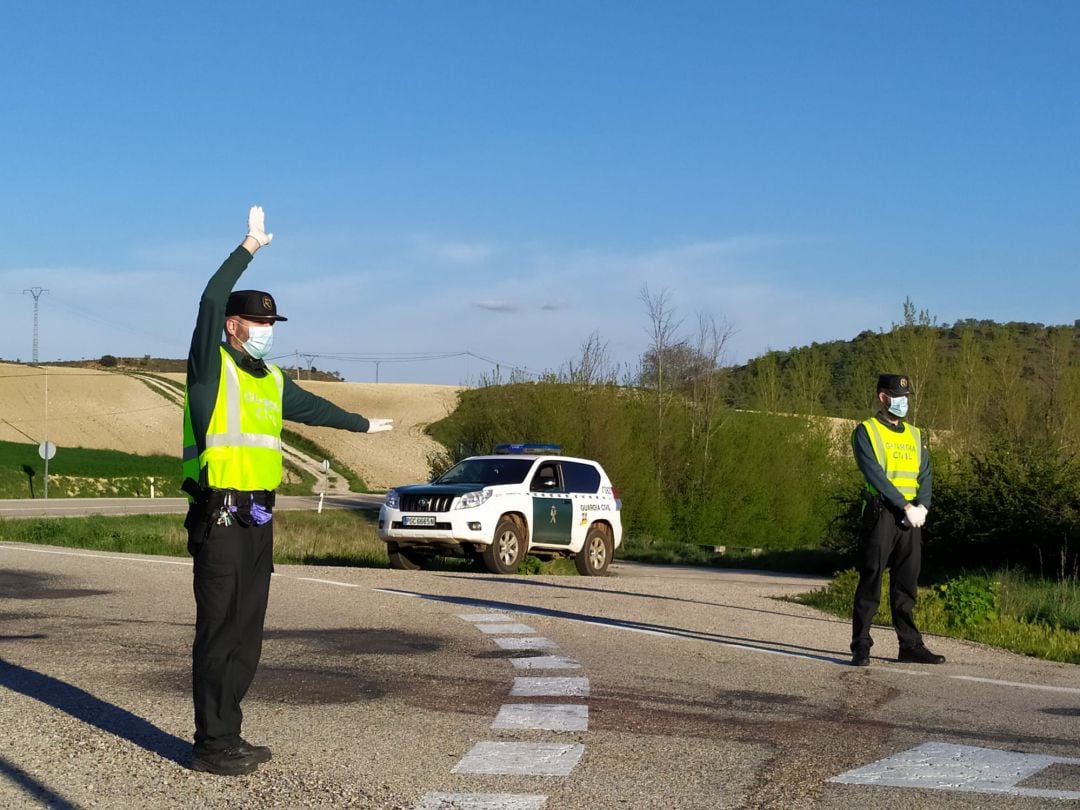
525 499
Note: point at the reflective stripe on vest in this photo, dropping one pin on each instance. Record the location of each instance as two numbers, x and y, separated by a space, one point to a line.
900 456
243 439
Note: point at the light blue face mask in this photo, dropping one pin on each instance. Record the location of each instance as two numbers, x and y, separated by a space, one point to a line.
898 406
260 339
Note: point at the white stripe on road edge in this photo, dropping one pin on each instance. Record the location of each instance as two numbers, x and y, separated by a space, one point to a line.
545 662
543 716
118 556
485 617
550 687
506 629
481 801
521 759
324 581
943 766
527 643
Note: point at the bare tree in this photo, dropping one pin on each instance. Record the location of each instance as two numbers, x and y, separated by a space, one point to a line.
594 366
663 331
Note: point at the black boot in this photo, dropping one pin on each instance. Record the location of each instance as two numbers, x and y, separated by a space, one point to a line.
919 655
234 761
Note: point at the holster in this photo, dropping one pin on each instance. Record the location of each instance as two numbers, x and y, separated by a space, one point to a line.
208 501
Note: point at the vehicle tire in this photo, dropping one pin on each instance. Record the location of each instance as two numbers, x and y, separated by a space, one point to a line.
405 559
507 550
596 553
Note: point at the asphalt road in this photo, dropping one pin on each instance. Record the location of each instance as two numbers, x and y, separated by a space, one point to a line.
77 507
392 689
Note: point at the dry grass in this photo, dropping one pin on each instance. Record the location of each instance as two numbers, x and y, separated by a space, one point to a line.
98 409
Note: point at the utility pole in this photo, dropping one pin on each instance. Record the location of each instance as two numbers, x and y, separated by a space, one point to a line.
36 292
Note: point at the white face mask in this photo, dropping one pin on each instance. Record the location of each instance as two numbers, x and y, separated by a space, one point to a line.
260 339
898 406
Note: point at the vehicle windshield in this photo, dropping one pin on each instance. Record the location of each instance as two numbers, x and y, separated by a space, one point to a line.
487 471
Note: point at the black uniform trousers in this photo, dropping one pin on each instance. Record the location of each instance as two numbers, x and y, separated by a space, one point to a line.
232 584
887 543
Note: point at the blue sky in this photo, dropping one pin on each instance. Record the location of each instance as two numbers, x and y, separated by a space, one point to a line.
503 177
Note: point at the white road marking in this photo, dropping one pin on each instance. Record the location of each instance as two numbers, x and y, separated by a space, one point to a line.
545 662
550 687
481 801
506 629
543 716
324 581
485 617
523 759
526 643
118 556
944 766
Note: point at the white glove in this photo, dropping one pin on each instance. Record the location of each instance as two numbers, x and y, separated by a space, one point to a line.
379 425
916 516
257 226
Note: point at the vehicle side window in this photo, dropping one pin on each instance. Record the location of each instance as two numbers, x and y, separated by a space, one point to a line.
581 477
546 479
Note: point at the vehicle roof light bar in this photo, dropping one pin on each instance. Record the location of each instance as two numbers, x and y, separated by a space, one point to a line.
528 449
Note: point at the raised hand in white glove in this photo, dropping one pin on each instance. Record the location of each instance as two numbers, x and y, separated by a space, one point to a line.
257 226
379 425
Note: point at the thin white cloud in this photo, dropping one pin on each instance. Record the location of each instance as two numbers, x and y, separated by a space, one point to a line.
496 306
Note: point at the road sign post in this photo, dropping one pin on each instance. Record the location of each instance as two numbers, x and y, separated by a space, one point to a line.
46 450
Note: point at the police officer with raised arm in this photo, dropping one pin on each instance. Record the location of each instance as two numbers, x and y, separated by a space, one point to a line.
893 459
234 405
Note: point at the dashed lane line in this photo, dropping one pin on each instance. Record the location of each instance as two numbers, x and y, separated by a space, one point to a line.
506 629
545 662
526 643
486 617
481 801
550 687
543 717
521 759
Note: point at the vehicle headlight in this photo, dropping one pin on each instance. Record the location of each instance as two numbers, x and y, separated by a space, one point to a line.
393 500
471 500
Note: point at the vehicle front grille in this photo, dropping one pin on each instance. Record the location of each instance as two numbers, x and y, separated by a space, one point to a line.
426 503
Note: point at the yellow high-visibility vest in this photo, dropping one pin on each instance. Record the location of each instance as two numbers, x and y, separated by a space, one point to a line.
243 440
899 454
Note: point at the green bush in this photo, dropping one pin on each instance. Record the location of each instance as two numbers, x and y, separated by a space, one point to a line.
968 600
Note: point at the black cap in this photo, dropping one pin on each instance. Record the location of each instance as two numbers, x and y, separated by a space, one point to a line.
253 304
895 385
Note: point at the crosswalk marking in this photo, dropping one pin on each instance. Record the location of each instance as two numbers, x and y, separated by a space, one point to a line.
521 758
543 716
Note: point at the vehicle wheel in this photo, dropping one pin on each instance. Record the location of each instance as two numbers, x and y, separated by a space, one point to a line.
507 550
405 559
596 553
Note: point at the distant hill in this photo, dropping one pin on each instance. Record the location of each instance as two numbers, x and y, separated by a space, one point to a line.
839 375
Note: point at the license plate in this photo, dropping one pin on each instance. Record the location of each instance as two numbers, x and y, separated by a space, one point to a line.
418 520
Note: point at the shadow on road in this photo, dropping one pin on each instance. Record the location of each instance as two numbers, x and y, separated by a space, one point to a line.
497 581
33 787
94 711
775 647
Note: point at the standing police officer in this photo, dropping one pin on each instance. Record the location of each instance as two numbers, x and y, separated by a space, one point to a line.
233 408
893 459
